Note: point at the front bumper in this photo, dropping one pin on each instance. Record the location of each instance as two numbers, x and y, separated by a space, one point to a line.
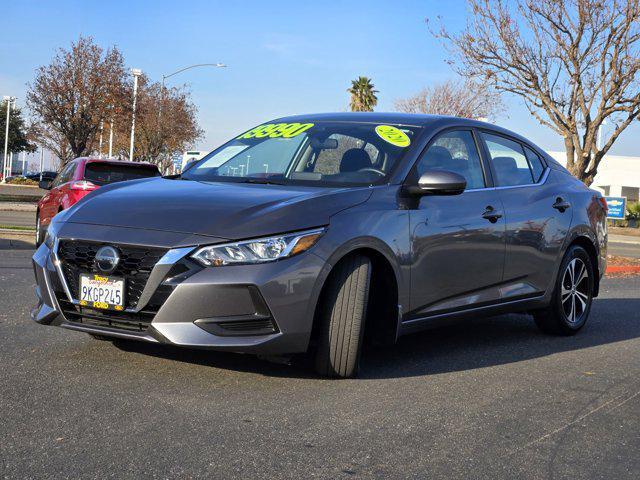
210 308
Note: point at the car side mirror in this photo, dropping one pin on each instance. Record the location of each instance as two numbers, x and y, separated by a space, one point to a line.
438 182
45 184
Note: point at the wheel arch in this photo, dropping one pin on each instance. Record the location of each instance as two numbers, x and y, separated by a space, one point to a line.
383 313
586 240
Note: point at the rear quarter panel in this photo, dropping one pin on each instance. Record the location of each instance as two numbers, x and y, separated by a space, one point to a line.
589 218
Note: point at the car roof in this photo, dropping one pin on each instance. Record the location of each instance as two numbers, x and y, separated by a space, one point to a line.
436 122
112 161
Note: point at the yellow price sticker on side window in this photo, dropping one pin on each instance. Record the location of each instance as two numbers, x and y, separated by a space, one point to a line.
277 130
393 135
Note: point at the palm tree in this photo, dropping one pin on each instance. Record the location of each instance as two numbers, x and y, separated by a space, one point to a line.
363 95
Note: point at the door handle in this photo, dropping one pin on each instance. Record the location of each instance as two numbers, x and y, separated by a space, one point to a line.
561 204
491 214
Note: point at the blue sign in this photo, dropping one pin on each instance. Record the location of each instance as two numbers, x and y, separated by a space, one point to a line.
617 207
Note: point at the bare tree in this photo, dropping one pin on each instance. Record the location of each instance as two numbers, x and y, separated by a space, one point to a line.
53 141
574 63
166 124
467 99
70 96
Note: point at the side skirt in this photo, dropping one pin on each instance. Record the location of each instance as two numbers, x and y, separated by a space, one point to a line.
433 321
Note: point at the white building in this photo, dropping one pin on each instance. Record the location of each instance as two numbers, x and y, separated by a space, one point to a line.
618 176
191 156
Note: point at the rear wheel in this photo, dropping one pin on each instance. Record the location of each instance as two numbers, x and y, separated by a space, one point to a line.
39 231
343 310
572 296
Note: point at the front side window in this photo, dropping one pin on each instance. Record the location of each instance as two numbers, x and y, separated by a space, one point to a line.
456 152
509 162
322 153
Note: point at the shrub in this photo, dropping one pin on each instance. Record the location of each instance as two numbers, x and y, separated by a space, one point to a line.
633 211
21 181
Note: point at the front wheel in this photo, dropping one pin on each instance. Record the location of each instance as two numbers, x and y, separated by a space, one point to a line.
572 296
342 315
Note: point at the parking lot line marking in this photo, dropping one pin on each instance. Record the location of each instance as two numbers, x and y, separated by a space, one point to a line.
579 419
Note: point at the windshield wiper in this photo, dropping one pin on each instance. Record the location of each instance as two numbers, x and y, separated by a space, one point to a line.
175 176
261 181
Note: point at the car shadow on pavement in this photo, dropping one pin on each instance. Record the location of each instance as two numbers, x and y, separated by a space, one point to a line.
9 243
465 345
486 342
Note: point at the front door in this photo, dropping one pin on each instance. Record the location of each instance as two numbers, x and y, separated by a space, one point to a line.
458 242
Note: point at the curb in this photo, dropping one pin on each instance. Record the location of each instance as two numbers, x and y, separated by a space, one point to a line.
28 233
18 207
625 241
19 198
623 269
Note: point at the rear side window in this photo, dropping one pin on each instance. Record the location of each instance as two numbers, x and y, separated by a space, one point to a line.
509 162
537 168
456 152
104 173
65 175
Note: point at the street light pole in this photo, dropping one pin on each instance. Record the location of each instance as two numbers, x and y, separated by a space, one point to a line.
136 73
216 65
164 77
6 137
111 138
100 143
41 160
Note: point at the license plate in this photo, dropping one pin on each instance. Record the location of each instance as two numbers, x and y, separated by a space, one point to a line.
101 291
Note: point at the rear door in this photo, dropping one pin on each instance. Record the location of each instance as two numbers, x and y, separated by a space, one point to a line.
537 211
52 200
458 241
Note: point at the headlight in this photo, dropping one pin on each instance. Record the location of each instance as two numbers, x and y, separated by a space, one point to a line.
260 250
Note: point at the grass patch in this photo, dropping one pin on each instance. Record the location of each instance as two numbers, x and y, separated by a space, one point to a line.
17 227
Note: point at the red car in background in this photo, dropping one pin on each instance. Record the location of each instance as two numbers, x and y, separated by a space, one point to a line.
78 178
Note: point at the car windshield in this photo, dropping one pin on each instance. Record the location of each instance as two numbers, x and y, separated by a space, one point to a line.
102 173
323 153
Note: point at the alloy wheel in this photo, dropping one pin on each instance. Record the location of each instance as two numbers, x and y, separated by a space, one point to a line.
575 291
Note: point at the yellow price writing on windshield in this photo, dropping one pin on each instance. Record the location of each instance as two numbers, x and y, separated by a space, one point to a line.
277 130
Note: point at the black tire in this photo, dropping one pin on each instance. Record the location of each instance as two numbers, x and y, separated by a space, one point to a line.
571 301
342 315
40 233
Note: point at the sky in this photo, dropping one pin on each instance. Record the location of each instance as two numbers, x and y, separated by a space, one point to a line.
284 57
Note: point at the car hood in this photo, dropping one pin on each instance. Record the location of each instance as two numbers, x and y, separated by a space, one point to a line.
219 209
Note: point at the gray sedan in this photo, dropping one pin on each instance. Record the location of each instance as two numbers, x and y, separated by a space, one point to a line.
315 234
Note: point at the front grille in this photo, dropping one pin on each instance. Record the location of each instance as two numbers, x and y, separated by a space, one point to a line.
133 322
135 265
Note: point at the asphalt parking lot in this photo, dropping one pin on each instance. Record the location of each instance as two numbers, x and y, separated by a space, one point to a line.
491 398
